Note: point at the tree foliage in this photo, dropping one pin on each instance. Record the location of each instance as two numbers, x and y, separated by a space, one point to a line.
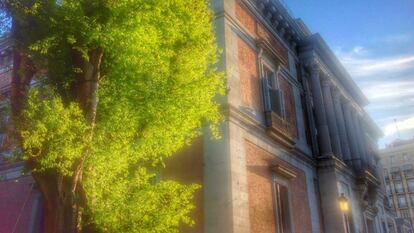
156 84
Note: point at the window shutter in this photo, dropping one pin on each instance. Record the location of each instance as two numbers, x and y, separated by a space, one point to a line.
276 98
266 97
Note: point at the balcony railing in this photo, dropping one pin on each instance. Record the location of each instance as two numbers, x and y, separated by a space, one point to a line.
282 126
280 129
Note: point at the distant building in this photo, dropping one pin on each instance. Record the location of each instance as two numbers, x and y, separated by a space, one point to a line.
20 201
398 162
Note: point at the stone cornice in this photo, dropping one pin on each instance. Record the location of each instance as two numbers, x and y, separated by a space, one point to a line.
313 62
276 19
331 162
316 43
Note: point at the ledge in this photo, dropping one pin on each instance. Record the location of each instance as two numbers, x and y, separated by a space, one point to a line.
280 128
283 171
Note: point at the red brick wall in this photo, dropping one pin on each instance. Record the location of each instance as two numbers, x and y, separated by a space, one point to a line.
249 76
261 206
289 98
258 31
246 19
16 201
186 167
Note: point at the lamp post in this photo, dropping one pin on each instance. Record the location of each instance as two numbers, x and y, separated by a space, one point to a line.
344 207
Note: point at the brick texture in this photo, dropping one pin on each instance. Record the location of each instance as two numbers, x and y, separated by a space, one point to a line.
246 19
258 31
261 206
249 78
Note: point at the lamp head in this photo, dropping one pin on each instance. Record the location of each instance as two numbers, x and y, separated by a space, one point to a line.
343 203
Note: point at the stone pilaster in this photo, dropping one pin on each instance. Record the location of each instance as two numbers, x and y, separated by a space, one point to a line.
359 136
342 129
321 122
330 113
352 138
363 142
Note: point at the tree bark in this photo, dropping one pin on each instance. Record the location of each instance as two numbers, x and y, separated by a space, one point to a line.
85 92
64 196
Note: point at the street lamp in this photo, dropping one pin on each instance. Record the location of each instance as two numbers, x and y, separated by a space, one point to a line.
343 203
344 206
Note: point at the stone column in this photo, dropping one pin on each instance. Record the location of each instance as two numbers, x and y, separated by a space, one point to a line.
370 157
340 119
330 113
361 138
321 122
351 132
358 135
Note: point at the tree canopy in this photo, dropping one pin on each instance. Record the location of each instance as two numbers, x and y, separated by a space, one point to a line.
154 90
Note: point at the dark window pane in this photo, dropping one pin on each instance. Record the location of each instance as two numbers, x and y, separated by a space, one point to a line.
410 184
398 187
282 209
402 202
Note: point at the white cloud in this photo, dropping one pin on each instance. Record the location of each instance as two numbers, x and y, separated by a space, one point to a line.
392 128
390 89
388 82
358 64
358 50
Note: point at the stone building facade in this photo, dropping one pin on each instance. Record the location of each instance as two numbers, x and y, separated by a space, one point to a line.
398 162
296 136
295 139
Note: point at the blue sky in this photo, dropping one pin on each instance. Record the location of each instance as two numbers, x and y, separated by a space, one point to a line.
374 39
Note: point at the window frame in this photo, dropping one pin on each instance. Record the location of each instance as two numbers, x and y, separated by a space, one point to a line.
279 224
396 175
274 85
409 174
402 187
401 197
388 189
405 157
410 187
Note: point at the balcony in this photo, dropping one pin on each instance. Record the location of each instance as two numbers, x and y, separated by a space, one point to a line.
281 129
405 213
408 171
396 176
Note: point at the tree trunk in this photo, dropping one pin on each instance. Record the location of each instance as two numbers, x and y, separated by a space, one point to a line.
23 72
64 197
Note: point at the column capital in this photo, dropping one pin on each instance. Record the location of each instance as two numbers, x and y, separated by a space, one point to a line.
336 94
313 66
326 82
347 103
357 114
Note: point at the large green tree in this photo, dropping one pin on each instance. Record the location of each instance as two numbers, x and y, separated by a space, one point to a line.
122 84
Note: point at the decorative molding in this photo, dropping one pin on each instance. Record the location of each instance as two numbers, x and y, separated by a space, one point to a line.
331 162
275 17
266 46
283 171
